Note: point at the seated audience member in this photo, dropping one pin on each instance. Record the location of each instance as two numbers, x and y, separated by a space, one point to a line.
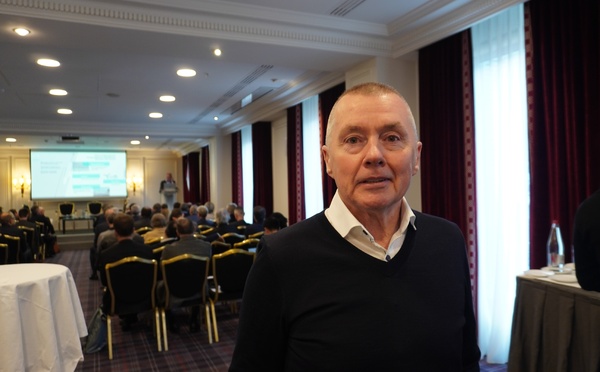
8 227
23 221
101 219
193 215
271 225
158 224
49 232
171 229
231 209
203 217
187 243
99 229
134 210
586 243
144 220
258 214
157 208
211 210
281 218
164 209
222 222
107 238
125 247
239 217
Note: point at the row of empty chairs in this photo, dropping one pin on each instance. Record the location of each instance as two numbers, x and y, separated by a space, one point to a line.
10 248
189 280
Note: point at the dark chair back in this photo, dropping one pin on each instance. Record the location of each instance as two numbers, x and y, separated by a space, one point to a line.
143 230
230 270
41 233
3 253
220 247
66 209
233 238
131 284
14 247
31 237
247 243
94 208
184 277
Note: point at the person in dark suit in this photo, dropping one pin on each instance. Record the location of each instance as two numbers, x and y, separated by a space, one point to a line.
99 229
24 221
203 217
48 231
187 243
258 214
8 227
145 217
125 247
222 222
239 215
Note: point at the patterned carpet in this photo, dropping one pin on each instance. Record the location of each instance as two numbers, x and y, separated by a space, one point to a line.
136 350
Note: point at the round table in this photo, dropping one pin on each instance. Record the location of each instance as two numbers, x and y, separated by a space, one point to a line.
41 319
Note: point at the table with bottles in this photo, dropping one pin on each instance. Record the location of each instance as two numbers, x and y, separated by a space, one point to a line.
556 324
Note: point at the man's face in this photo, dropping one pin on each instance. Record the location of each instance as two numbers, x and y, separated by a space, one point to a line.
372 152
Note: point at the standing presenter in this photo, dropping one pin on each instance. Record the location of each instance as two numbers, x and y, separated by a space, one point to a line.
168 189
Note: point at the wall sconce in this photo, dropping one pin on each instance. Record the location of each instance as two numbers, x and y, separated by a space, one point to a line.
22 184
134 183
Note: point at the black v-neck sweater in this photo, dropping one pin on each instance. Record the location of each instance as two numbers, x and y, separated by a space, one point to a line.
314 302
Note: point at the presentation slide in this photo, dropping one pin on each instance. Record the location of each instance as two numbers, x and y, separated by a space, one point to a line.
78 175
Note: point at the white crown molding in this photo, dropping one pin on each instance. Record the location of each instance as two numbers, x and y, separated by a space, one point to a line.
320 37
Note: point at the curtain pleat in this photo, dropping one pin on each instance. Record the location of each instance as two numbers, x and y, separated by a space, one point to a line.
564 126
263 165
237 187
205 175
326 101
295 165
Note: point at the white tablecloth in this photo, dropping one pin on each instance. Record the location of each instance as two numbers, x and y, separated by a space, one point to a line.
41 320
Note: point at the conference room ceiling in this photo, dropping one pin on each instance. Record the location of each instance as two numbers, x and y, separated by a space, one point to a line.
118 56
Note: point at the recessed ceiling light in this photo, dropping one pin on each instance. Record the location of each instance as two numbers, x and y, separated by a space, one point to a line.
10 139
215 118
186 72
58 92
46 62
147 137
135 142
217 52
21 31
64 111
167 98
155 115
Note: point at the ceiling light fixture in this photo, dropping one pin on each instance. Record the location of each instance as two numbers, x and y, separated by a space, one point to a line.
147 137
167 98
64 111
155 115
186 72
135 142
21 31
10 139
47 62
217 52
58 92
215 118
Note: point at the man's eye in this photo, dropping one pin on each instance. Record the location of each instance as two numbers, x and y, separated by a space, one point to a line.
352 140
393 138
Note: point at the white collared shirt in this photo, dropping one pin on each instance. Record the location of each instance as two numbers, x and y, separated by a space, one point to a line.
344 222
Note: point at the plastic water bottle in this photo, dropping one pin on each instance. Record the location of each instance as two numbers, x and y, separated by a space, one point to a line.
555 248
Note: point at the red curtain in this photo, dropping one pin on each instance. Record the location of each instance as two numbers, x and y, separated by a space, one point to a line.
205 175
191 175
564 121
263 165
295 165
326 101
447 132
237 184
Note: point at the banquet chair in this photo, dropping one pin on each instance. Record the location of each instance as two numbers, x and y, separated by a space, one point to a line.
41 233
14 247
94 208
184 279
256 235
206 229
219 247
230 270
31 238
3 253
246 244
233 238
157 254
131 283
66 209
143 230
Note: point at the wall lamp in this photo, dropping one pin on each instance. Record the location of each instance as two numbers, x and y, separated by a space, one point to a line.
21 184
134 183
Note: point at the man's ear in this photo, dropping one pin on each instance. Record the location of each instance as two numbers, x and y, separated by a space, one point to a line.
325 152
